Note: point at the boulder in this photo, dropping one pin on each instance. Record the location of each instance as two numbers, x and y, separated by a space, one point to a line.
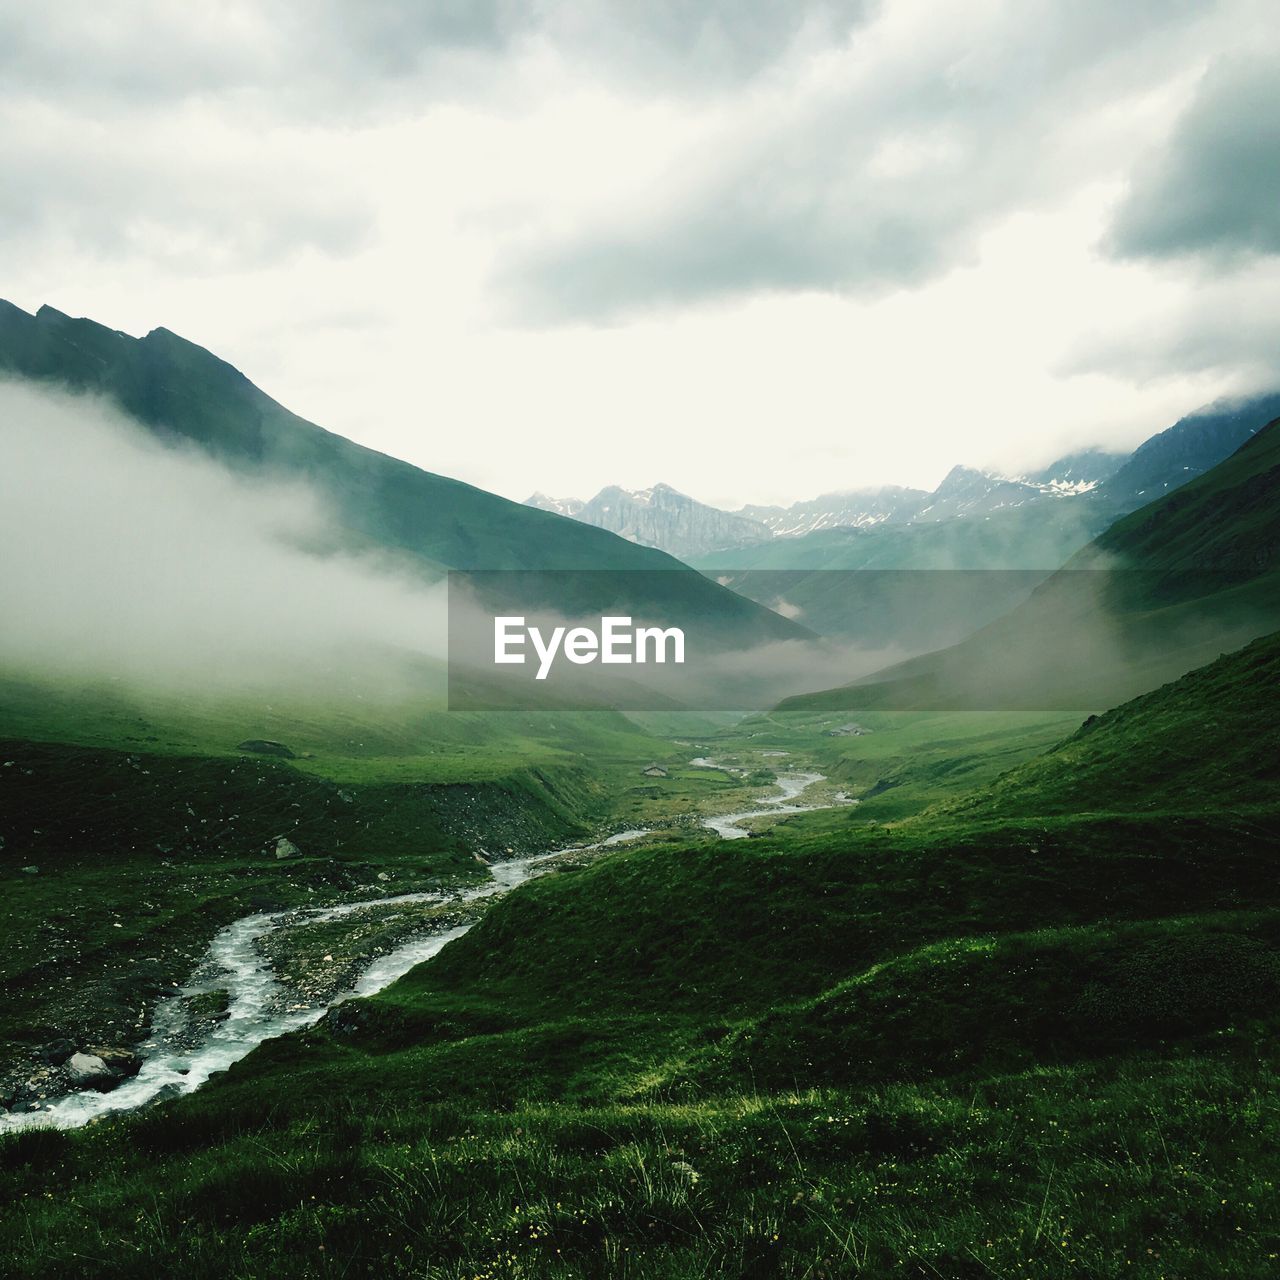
88 1071
285 848
123 1062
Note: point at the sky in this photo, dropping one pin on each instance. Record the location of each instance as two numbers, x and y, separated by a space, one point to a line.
758 251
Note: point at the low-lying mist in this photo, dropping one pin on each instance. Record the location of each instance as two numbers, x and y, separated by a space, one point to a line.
129 560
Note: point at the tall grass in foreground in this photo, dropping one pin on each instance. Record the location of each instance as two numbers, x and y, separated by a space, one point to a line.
1160 1167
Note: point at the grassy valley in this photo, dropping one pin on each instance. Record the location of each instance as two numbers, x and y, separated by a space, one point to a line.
997 1034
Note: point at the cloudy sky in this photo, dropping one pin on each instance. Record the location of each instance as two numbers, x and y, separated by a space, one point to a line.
758 250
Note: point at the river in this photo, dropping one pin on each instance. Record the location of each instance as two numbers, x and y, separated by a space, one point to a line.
260 1007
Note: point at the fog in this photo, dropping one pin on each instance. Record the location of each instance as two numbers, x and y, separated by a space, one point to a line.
131 561
127 559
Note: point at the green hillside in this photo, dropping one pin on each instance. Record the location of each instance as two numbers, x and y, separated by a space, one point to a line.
1209 740
854 583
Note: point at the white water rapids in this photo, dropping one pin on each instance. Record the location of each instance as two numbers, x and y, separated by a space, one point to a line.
260 1008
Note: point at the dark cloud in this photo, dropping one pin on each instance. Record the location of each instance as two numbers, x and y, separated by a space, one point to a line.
882 183
207 206
157 128
345 58
696 43
142 51
774 222
1215 188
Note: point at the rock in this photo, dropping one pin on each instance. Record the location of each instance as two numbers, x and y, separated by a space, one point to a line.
88 1071
265 747
382 875
30 871
56 1052
124 1062
285 848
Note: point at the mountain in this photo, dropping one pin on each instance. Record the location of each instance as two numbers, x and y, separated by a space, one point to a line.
1079 472
1188 449
1018 537
1098 484
1162 590
864 584
561 506
857 509
966 491
185 395
658 517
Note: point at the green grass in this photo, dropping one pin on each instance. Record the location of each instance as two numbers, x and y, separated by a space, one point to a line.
907 761
1160 1167
139 812
995 1036
1209 739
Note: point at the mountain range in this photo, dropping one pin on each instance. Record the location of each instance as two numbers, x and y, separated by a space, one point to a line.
1095 485
659 517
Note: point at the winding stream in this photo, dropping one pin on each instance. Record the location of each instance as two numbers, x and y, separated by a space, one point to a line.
790 785
260 1007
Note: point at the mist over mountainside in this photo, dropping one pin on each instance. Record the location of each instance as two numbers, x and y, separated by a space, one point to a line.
1082 492
157 565
1166 588
185 396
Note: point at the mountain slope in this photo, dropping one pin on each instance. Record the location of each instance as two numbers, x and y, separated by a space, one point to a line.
859 584
186 395
1163 590
1188 449
1022 537
1210 738
1080 471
